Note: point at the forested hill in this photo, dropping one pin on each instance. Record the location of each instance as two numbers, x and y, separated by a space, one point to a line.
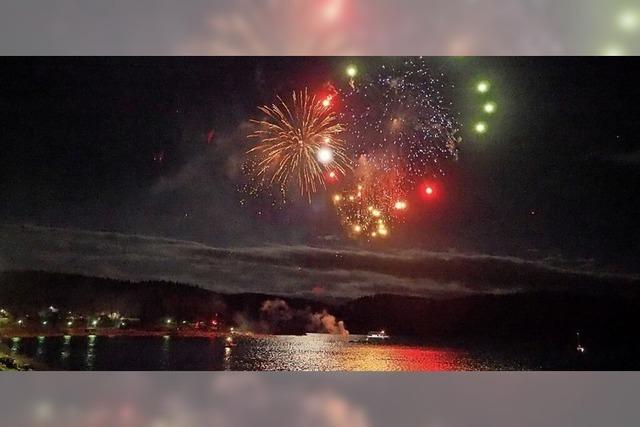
513 317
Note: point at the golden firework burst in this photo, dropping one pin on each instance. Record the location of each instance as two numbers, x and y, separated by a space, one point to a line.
371 207
298 145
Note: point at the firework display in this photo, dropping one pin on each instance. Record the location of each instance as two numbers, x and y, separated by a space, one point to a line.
298 145
369 208
385 131
400 130
400 119
488 108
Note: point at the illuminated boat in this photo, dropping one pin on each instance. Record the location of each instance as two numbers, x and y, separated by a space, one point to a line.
377 335
579 347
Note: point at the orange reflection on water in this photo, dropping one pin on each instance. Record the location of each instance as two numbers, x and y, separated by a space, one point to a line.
370 357
336 353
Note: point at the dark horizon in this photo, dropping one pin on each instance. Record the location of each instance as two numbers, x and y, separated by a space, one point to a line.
532 330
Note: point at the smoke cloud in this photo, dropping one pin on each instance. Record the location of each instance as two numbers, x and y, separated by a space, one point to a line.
327 323
276 316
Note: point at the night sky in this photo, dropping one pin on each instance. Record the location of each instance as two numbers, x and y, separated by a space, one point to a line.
152 146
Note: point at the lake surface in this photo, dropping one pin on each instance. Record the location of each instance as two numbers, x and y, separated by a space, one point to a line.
264 353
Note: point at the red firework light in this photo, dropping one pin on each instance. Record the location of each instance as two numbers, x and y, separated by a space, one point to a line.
331 176
328 95
429 190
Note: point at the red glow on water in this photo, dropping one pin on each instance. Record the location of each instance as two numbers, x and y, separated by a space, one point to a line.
420 359
373 357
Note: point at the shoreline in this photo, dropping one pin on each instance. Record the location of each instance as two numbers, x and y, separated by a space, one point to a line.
15 363
111 333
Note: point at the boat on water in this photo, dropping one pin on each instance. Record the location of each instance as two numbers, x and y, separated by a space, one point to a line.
377 336
579 347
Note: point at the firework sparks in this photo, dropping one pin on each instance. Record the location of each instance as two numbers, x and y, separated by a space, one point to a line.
483 86
399 118
360 218
298 145
489 107
401 130
481 127
371 207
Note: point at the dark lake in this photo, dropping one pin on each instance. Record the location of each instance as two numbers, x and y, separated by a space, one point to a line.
275 353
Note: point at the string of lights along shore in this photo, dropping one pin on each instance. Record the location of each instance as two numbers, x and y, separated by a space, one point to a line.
377 141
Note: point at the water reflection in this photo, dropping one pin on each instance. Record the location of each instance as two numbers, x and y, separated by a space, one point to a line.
91 353
40 350
15 345
227 359
65 352
328 353
333 353
166 352
257 353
